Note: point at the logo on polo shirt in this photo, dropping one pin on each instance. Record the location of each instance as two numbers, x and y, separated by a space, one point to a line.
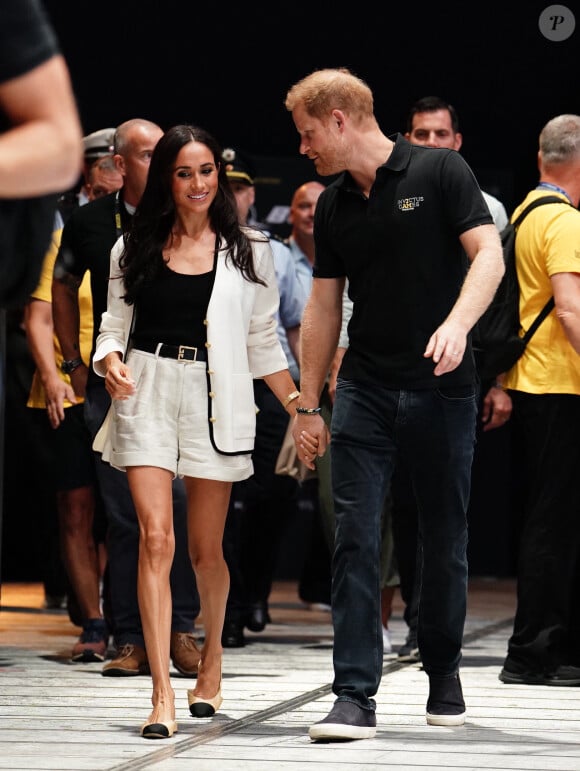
410 204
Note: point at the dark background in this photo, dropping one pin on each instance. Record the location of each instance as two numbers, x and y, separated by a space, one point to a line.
229 68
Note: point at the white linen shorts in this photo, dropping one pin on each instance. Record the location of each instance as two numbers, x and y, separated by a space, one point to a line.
165 423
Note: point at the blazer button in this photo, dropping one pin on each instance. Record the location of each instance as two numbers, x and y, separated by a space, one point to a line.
212 420
211 394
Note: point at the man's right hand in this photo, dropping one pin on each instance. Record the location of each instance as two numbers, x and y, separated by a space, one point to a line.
56 393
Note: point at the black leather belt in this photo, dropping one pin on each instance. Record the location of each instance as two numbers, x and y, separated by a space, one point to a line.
179 352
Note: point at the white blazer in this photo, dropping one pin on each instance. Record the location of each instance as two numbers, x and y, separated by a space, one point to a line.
242 341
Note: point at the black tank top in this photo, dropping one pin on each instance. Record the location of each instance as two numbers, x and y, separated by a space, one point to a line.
173 309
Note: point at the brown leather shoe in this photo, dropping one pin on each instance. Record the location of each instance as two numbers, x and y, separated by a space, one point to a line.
184 653
130 660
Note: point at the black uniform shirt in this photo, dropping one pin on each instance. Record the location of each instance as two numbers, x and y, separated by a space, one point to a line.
87 239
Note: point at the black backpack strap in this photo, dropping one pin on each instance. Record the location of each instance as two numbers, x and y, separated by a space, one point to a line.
538 202
550 304
539 318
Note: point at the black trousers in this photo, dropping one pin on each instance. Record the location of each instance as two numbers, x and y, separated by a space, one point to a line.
260 508
546 456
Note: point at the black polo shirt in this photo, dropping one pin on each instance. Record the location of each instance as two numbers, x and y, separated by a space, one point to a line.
27 38
87 239
401 252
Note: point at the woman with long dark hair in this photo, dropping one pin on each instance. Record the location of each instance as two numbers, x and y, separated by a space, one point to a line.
190 321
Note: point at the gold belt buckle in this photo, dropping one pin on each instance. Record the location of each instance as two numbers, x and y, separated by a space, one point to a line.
183 349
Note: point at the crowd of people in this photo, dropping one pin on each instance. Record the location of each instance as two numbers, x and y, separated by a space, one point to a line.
175 338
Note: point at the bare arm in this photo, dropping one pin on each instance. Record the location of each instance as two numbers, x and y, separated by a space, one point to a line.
447 344
319 338
282 385
42 151
39 334
66 319
566 287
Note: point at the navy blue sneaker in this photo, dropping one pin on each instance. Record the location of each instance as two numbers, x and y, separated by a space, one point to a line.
345 720
445 706
93 642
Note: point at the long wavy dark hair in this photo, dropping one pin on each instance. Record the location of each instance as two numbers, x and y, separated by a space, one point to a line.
154 217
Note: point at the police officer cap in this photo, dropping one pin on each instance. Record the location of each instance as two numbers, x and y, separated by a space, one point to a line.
237 168
99 143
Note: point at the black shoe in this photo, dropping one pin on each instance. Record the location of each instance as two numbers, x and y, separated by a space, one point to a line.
258 617
233 635
526 677
55 602
564 675
346 720
445 705
409 651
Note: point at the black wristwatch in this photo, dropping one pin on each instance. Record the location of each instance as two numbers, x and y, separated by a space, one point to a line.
69 365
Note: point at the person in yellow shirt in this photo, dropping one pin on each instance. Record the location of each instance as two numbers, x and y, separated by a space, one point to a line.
544 384
63 420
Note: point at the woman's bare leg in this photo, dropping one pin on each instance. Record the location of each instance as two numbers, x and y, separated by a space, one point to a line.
152 495
207 506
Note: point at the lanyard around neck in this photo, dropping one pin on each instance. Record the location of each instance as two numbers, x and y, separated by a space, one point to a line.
118 223
555 188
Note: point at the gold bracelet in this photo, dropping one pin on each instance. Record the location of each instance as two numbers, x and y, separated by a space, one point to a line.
290 398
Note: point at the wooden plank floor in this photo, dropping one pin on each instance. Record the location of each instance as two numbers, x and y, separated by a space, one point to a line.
62 716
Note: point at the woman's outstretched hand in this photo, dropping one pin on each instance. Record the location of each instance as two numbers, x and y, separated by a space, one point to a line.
312 437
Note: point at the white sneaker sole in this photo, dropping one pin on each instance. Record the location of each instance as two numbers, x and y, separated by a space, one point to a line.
340 731
446 720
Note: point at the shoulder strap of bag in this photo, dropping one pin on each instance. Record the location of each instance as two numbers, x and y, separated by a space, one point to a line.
538 320
550 304
538 202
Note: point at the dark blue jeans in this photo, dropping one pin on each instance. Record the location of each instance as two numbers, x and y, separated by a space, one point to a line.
434 433
123 543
